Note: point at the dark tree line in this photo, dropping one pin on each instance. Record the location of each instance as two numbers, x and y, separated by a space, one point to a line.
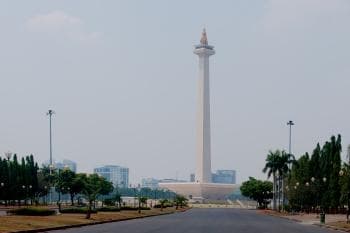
19 179
319 180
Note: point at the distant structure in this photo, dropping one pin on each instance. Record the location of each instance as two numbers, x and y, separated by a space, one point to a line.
202 188
151 183
71 165
118 175
171 181
224 177
192 177
203 168
64 164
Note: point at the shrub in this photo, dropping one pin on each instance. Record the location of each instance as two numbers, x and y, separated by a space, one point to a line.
30 211
109 209
109 202
134 208
82 210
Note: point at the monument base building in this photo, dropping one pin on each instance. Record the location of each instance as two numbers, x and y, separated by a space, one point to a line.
202 192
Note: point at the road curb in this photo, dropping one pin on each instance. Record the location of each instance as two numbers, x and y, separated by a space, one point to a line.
91 223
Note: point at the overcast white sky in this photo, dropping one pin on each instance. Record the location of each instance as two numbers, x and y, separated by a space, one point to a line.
121 76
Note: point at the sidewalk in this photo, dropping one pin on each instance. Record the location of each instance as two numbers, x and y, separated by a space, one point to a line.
305 218
333 221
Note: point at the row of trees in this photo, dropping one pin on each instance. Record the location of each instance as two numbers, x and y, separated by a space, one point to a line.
312 182
320 180
19 180
24 181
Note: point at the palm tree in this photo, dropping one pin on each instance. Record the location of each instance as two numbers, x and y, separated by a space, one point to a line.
284 168
271 167
277 165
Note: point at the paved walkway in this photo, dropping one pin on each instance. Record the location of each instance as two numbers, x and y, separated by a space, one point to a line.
307 218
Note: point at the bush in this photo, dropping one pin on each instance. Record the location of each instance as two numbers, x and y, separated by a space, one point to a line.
77 211
109 202
134 208
32 211
109 209
164 206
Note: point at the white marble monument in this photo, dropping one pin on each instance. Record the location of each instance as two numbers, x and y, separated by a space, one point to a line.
202 188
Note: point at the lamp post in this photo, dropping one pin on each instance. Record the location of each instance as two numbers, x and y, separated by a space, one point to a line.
342 173
51 167
50 113
8 155
290 124
2 185
26 191
139 198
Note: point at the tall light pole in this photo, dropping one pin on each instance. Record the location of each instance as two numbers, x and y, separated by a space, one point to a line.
50 113
290 123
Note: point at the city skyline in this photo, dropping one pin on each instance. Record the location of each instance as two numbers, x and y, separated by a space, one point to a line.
121 78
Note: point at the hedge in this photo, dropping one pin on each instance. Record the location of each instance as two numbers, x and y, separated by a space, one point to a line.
77 211
134 208
31 211
109 209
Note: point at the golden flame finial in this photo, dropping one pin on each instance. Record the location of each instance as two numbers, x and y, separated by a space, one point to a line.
204 39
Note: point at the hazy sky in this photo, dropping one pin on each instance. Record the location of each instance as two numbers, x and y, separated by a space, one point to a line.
121 76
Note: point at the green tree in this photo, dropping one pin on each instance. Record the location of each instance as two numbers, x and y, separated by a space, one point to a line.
258 190
94 186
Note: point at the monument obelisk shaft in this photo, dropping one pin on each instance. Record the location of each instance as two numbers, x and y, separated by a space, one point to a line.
203 168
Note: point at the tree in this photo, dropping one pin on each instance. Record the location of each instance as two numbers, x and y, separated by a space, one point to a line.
260 191
94 186
70 183
272 166
180 201
277 165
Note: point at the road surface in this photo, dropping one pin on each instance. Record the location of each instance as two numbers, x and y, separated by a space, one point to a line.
204 221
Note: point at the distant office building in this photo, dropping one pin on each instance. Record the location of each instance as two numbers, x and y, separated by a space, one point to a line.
192 177
119 176
65 164
224 177
150 183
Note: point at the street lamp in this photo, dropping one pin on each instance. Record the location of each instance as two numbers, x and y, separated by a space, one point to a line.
139 197
2 185
8 155
342 173
50 113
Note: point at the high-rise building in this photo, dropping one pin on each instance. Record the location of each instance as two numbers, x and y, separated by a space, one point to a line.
203 169
224 177
119 176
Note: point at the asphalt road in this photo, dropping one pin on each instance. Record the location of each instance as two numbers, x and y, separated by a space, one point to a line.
204 221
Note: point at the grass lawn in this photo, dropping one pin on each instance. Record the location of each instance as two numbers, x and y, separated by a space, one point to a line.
340 224
18 223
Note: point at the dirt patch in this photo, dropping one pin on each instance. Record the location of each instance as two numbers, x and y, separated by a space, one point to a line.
23 223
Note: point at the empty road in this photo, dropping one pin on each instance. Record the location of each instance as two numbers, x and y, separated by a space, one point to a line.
203 221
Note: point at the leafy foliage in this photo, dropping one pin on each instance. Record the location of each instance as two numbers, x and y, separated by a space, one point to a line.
260 191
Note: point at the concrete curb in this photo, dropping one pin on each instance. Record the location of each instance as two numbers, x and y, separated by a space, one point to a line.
92 223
